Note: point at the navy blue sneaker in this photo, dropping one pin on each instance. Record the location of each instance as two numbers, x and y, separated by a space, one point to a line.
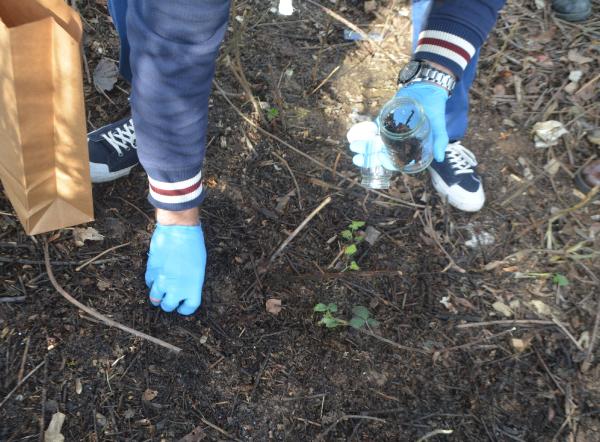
113 151
455 178
572 10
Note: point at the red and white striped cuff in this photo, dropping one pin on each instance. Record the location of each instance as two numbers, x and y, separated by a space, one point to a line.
178 192
444 44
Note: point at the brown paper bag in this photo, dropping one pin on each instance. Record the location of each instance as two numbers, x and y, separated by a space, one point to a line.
44 164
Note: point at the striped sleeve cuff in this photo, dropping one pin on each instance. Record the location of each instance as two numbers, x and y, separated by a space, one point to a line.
176 195
448 49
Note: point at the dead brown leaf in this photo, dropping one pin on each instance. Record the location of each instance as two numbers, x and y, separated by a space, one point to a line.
273 306
149 394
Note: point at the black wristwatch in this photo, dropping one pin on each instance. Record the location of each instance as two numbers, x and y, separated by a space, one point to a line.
417 70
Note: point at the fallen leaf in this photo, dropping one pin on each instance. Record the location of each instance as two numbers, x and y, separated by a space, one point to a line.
499 90
78 386
82 234
197 434
493 265
370 6
105 75
101 420
464 303
53 434
273 306
575 76
552 166
372 235
547 133
502 308
149 394
541 308
594 136
129 413
584 339
576 57
103 285
520 345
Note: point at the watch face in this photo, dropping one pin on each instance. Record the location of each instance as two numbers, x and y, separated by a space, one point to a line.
409 71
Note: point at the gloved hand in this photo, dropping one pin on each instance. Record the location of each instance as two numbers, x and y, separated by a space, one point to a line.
433 99
175 269
370 151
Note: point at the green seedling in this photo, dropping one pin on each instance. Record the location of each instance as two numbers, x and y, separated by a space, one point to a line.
354 235
560 280
272 113
361 317
557 278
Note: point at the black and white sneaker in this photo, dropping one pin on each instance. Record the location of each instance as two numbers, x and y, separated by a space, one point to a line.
455 178
112 151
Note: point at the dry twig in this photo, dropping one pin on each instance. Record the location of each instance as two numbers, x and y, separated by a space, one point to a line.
95 314
91 260
11 392
299 228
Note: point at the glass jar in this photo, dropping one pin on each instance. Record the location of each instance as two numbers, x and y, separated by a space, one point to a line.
405 131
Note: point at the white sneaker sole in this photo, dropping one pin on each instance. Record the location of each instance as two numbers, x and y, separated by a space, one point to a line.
100 173
458 197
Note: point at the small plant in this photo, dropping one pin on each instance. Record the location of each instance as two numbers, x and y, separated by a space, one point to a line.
560 280
272 113
361 319
354 235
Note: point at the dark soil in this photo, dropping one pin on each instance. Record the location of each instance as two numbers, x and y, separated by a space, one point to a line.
402 151
248 374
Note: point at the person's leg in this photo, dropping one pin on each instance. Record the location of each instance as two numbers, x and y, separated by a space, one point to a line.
457 107
461 186
112 148
118 12
173 49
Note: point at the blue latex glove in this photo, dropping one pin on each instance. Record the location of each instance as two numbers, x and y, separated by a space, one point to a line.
175 269
433 99
368 146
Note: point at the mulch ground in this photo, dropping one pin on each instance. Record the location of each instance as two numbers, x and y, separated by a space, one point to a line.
487 322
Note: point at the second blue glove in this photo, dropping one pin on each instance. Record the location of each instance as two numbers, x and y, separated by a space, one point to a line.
433 99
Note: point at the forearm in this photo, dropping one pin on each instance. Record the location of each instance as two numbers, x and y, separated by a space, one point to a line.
455 30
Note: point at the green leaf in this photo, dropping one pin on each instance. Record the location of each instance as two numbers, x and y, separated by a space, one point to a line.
560 280
372 322
272 113
358 238
361 312
357 322
330 322
346 234
355 225
350 250
320 308
332 307
354 266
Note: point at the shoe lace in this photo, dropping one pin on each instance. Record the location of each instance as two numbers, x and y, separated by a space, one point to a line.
121 138
462 159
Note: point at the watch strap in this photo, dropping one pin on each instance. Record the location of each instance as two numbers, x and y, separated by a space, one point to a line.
430 74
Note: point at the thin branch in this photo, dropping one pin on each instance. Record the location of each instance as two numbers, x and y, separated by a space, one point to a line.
303 224
286 164
587 362
89 261
509 322
95 314
11 392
